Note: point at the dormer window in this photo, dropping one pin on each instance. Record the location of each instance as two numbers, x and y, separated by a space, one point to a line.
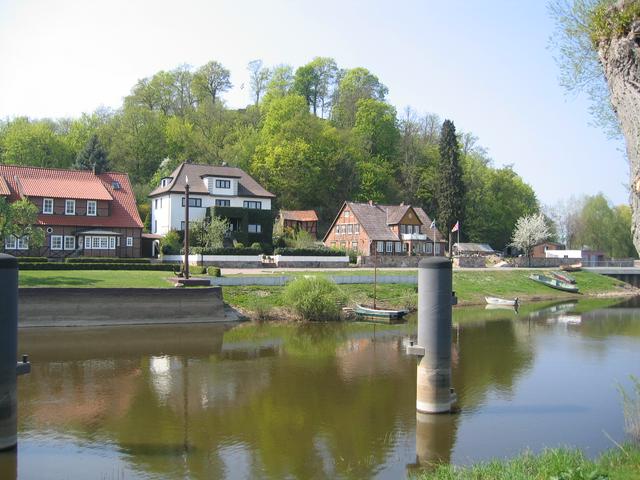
116 185
69 207
47 206
223 183
165 181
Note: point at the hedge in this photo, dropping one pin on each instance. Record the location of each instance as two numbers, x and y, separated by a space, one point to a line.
225 251
213 271
97 266
32 259
310 252
106 260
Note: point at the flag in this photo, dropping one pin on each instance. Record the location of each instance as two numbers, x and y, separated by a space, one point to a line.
433 224
456 227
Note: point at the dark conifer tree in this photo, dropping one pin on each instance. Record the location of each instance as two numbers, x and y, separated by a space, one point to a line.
450 186
92 156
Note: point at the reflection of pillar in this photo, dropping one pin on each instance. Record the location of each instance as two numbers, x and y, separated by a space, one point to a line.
435 435
9 465
8 350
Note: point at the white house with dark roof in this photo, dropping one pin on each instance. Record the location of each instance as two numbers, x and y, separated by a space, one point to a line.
209 186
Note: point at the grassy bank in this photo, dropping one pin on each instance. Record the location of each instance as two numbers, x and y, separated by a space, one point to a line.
94 279
470 286
560 464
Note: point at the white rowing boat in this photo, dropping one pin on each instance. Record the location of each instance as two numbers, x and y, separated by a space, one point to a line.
502 301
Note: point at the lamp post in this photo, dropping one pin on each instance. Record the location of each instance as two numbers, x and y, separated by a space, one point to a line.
186 227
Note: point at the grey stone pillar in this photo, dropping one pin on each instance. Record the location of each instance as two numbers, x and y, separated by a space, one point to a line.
8 350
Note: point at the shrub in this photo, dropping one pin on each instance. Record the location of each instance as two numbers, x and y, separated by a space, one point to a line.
170 243
165 267
310 252
256 245
300 239
106 260
197 270
237 244
353 256
214 271
32 260
314 298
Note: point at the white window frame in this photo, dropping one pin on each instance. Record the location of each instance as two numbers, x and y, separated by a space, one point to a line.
437 250
354 245
54 242
389 247
72 246
112 243
69 202
129 241
87 243
380 246
429 248
356 228
95 208
47 211
350 229
398 247
346 214
10 242
221 183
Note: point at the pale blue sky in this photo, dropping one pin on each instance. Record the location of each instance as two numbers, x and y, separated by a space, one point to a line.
483 64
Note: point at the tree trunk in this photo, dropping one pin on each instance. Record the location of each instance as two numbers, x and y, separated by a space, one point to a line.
620 59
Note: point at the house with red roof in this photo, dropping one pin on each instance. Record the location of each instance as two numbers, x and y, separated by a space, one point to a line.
299 220
82 214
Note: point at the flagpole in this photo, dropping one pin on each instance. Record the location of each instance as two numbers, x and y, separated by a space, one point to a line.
434 239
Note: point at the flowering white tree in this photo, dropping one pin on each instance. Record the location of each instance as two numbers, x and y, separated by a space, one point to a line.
530 230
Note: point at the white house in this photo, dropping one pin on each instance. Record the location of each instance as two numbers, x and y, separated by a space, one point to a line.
209 186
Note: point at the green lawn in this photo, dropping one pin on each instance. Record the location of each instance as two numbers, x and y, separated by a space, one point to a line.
94 278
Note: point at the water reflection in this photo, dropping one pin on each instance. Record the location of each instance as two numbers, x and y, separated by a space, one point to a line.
307 401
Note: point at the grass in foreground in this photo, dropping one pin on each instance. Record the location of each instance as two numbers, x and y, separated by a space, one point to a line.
558 464
94 278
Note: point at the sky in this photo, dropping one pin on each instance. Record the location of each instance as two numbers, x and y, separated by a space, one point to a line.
485 64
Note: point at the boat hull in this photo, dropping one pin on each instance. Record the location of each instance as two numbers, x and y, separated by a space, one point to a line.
501 301
386 316
554 283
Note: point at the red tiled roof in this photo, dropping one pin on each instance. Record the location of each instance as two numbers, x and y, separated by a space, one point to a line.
76 188
75 184
4 188
299 215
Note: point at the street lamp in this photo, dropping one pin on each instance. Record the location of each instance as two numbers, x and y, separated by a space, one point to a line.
186 227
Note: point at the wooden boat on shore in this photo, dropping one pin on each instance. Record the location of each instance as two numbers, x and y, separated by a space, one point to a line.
565 277
501 301
379 314
554 283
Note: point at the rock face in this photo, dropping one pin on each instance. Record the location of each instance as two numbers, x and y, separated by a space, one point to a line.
620 58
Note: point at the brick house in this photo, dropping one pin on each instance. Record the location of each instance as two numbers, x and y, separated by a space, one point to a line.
299 220
372 229
540 250
82 214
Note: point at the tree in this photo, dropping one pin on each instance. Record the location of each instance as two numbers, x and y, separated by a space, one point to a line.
314 81
355 84
259 79
209 233
22 217
36 143
210 81
598 47
280 83
530 230
450 189
376 128
92 157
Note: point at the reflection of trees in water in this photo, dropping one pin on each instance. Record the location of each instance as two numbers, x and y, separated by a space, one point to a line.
490 356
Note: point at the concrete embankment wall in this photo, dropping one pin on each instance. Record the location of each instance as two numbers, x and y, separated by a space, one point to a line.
339 279
62 307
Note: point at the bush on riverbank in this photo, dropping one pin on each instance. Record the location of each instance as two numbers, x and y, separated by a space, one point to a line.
560 464
314 298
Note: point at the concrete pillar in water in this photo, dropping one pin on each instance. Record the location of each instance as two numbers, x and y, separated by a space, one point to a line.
8 350
435 298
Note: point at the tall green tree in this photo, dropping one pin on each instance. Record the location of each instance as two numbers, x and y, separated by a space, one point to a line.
92 157
22 217
376 127
259 79
354 85
210 81
26 142
450 189
314 81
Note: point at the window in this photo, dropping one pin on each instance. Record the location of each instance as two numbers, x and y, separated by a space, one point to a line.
437 247
429 248
346 213
250 204
380 246
47 206
23 243
193 202
222 203
69 242
56 242
356 228
100 243
92 208
156 203
350 228
255 228
129 241
398 247
112 243
223 183
116 185
10 243
182 225
405 247
87 243
69 207
354 245
155 226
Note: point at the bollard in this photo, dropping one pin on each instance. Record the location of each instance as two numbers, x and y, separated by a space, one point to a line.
8 350
435 298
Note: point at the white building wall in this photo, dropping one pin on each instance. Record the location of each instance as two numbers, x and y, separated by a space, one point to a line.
160 215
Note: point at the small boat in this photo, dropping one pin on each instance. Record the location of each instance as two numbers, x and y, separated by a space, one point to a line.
575 267
565 277
379 314
501 301
554 283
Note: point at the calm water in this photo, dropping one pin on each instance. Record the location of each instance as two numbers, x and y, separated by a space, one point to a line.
316 401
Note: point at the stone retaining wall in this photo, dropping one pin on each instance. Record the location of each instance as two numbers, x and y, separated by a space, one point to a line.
311 262
62 307
470 262
391 261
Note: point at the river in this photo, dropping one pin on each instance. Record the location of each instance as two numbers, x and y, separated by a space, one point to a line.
320 400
